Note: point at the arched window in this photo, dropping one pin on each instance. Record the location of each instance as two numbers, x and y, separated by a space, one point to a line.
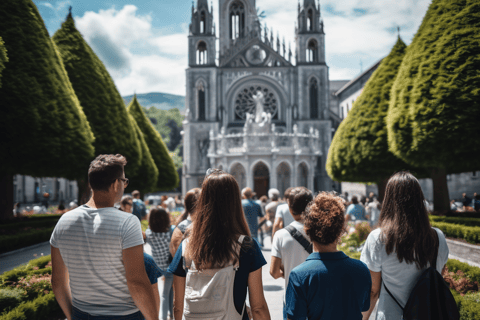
313 87
302 175
203 22
283 177
202 53
201 102
312 51
237 20
238 172
310 20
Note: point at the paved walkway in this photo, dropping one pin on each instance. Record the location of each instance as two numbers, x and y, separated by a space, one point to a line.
13 259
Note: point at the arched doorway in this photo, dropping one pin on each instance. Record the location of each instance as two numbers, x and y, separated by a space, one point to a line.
238 172
283 177
261 179
302 175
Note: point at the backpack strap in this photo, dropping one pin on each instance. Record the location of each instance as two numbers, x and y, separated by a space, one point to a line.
391 295
300 238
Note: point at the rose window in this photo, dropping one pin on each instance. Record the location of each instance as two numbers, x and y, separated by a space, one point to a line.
245 103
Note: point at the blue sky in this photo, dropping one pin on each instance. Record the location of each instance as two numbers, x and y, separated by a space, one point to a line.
143 43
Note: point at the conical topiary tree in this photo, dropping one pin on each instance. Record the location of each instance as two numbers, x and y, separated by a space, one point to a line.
3 58
145 180
168 176
44 130
99 97
359 150
435 101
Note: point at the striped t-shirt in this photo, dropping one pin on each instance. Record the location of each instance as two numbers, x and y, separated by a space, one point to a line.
91 243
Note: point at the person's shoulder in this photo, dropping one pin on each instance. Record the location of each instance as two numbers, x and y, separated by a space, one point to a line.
375 234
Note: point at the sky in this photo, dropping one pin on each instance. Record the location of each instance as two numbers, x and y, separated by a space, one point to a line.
143 43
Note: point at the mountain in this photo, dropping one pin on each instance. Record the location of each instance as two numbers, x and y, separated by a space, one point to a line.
162 101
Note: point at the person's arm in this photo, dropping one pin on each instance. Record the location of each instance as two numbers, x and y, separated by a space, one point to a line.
138 283
61 283
156 296
178 296
276 268
177 237
277 225
258 304
374 293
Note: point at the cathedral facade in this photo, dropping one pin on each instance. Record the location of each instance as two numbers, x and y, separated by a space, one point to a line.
254 107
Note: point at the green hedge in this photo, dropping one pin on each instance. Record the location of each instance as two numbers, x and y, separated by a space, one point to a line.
36 223
28 238
38 309
470 234
472 272
468 222
26 270
468 305
10 297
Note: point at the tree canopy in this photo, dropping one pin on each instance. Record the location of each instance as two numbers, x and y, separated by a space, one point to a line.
145 180
43 127
3 58
101 101
168 176
359 150
435 100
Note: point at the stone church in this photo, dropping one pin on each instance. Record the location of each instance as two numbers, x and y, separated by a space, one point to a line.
255 108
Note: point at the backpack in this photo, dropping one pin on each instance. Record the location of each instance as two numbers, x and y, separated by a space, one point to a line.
300 238
209 293
430 298
139 209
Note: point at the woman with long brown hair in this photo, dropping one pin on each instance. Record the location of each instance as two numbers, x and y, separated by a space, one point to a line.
402 247
213 244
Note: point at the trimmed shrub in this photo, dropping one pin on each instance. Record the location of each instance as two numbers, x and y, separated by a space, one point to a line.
470 307
34 267
38 309
468 222
470 234
10 298
12 242
472 272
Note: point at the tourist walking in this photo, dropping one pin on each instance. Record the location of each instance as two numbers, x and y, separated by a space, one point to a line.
291 246
219 245
356 212
329 285
252 211
97 253
402 247
185 219
139 208
158 236
282 215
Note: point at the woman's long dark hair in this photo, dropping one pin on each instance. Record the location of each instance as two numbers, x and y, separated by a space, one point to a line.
219 221
404 222
190 201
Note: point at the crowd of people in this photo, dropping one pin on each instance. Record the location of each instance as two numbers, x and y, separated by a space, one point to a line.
211 260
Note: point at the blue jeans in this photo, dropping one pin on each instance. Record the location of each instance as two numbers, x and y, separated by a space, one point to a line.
166 297
80 315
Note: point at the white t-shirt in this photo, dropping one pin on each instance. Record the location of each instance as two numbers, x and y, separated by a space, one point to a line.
284 213
285 247
399 277
91 242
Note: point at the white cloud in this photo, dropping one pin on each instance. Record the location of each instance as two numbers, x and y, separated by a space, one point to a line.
143 59
139 58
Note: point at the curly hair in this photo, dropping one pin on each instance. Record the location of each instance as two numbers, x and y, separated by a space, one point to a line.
325 218
159 220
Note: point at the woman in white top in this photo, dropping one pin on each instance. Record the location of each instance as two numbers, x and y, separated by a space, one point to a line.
402 247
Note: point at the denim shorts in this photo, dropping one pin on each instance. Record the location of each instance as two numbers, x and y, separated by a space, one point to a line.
80 315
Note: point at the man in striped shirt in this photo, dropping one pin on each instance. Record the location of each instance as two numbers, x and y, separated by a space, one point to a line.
98 268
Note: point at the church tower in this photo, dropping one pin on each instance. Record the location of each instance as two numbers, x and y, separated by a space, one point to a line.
312 69
201 41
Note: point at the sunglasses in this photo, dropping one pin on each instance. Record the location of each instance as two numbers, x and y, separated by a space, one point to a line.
125 181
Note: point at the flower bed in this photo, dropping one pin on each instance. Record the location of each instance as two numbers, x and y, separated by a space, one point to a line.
26 291
462 278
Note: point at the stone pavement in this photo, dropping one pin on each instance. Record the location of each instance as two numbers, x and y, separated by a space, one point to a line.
13 259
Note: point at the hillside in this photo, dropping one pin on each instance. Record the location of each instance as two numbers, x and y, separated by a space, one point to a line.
162 101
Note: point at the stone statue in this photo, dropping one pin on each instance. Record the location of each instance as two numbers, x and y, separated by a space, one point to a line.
259 110
203 146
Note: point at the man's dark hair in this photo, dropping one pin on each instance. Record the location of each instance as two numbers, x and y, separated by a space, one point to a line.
299 198
286 194
354 200
136 194
104 170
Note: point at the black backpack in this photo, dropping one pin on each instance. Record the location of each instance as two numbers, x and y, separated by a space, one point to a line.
430 298
300 238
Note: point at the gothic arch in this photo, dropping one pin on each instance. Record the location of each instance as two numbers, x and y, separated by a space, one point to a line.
302 175
261 177
284 176
202 53
312 51
236 19
237 170
201 101
310 19
203 22
313 88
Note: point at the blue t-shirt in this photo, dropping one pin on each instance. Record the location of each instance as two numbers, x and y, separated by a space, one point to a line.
357 212
328 286
139 209
252 211
250 260
153 271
